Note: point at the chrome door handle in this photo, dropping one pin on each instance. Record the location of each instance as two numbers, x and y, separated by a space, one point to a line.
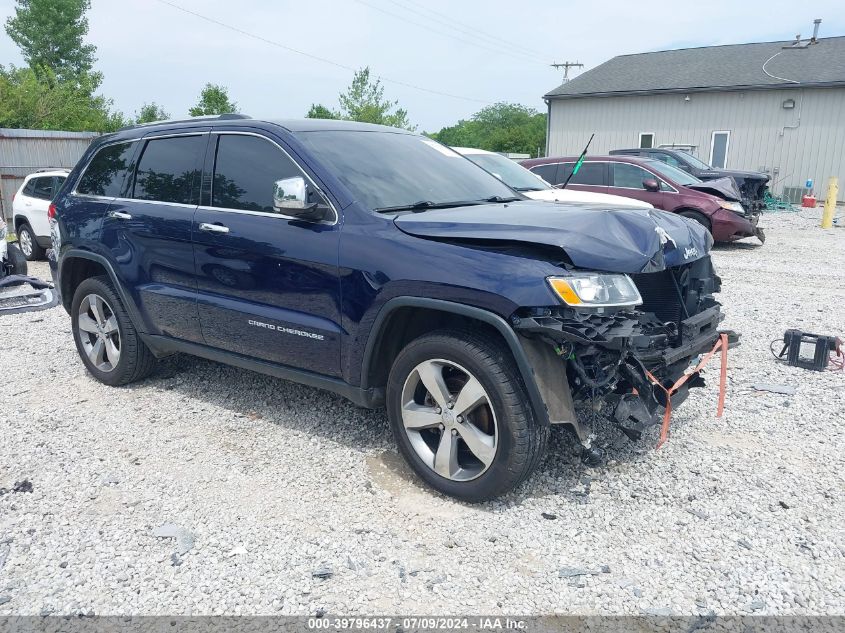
213 228
119 215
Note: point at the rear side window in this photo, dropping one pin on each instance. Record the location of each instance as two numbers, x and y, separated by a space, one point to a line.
245 171
29 189
44 188
107 171
589 174
168 170
547 173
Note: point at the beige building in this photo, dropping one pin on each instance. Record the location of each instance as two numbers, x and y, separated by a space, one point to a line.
777 107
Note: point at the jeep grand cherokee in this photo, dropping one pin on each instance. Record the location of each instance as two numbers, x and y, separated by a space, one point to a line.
383 266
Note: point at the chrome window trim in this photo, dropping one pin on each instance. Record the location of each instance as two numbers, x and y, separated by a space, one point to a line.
268 213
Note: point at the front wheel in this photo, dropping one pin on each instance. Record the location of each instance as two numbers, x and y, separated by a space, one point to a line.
698 217
461 417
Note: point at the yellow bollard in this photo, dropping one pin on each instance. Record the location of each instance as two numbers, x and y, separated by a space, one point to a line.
830 202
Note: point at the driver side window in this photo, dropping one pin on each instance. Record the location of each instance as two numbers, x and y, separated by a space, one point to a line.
629 176
246 169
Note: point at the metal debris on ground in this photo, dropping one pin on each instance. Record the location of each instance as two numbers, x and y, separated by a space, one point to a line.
184 539
786 390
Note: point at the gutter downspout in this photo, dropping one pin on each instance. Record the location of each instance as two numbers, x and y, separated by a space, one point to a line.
548 123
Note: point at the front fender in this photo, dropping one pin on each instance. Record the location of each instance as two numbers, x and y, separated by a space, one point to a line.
512 340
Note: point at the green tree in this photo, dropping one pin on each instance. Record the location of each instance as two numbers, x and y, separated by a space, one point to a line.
151 112
319 111
27 101
214 99
364 101
502 127
50 35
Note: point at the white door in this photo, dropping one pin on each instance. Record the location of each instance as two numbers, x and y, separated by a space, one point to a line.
719 144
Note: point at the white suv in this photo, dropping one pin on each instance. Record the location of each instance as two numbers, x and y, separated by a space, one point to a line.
29 210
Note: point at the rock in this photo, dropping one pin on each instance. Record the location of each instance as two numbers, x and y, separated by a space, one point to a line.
572 572
757 605
662 612
548 515
699 513
323 572
240 550
743 543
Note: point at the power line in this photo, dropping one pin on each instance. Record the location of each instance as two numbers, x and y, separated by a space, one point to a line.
316 57
440 32
467 28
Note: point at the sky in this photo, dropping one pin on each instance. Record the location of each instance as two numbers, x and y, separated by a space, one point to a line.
465 54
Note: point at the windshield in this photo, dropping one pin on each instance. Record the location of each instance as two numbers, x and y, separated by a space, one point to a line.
509 172
695 162
678 176
386 169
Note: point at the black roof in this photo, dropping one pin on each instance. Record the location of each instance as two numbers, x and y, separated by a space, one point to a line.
729 67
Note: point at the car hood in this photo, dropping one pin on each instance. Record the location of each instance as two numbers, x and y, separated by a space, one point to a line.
734 173
721 188
571 195
594 237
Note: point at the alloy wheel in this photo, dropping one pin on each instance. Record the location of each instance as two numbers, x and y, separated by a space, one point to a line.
449 420
99 332
25 243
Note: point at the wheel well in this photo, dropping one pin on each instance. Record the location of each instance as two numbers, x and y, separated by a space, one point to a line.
74 272
405 324
688 211
19 220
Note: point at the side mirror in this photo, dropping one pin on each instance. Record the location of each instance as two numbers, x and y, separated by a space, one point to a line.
290 197
651 184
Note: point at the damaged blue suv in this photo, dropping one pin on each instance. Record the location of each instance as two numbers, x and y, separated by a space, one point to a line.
382 266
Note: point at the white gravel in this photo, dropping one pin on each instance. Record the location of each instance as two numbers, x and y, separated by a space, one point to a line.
208 489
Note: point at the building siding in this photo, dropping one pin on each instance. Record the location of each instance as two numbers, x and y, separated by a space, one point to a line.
763 133
24 151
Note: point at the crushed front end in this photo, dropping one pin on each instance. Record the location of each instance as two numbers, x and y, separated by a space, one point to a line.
612 355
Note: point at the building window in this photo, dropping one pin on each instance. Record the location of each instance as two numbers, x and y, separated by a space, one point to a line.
646 140
719 143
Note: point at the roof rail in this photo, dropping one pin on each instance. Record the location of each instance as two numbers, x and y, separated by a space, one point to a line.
43 169
207 117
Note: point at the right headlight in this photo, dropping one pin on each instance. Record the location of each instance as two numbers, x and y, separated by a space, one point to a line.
596 290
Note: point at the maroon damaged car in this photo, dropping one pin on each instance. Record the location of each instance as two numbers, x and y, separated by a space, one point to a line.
714 203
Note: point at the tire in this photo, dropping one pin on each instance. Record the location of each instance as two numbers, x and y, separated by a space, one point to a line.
18 260
133 360
28 244
509 454
698 217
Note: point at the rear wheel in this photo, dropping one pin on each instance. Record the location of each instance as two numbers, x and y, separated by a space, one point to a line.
105 337
460 415
698 217
28 244
18 260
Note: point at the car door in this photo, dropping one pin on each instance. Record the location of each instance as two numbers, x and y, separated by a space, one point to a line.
148 232
268 283
627 180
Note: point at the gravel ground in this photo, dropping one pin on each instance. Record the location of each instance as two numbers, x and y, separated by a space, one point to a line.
207 489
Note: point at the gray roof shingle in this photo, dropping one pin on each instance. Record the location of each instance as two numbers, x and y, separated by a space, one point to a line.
733 66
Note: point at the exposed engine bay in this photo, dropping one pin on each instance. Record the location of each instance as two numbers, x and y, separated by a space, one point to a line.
608 354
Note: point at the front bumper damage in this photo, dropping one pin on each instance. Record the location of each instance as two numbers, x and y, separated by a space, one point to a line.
607 359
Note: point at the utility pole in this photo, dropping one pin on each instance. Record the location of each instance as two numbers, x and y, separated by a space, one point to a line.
566 66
